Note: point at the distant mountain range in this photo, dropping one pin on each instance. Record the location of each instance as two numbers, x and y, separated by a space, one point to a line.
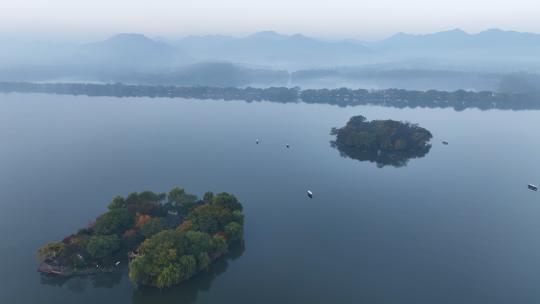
457 39
270 48
265 57
131 50
494 50
485 50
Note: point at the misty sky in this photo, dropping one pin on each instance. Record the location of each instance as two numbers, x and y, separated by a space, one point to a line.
335 18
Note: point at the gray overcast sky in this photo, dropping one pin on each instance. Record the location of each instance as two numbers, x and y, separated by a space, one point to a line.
334 18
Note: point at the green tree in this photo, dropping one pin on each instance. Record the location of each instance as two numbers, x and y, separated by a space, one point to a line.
206 218
203 261
228 201
115 221
169 276
197 242
234 232
101 246
188 266
158 265
180 197
146 202
139 271
208 197
238 217
149 196
117 202
153 226
219 244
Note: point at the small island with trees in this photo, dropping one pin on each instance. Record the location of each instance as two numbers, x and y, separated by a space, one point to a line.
385 142
165 238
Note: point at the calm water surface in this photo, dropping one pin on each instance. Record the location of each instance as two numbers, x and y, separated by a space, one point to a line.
456 226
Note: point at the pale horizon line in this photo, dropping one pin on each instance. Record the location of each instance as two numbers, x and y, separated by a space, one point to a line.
92 37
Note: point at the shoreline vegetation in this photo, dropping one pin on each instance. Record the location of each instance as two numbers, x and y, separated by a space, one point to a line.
385 142
165 238
458 100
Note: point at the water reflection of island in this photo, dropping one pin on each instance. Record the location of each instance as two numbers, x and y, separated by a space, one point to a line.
384 142
187 292
382 158
78 284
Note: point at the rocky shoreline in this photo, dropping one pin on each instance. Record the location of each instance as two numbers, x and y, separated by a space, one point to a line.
49 267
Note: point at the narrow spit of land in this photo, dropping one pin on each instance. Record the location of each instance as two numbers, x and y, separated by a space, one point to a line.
398 98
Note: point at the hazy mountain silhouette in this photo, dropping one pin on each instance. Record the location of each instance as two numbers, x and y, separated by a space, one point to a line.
445 60
271 48
486 45
452 38
132 51
457 39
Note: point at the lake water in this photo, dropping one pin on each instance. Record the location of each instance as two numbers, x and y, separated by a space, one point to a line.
456 226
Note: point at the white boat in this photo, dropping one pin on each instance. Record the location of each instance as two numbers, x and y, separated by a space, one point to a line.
117 263
533 187
310 194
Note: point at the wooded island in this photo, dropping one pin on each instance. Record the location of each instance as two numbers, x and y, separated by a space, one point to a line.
386 142
167 238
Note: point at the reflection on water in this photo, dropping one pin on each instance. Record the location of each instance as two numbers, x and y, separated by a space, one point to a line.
188 291
185 293
382 158
78 284
437 236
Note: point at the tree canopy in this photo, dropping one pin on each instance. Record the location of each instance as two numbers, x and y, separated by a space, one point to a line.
386 142
113 222
172 256
168 251
101 246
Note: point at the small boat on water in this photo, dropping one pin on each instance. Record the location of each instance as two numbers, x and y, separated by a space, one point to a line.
532 187
287 145
257 141
310 194
117 263
445 142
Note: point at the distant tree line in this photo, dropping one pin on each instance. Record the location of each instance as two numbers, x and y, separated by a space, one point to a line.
398 98
124 90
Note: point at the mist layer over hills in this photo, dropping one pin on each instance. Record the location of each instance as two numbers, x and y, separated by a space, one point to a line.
490 60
